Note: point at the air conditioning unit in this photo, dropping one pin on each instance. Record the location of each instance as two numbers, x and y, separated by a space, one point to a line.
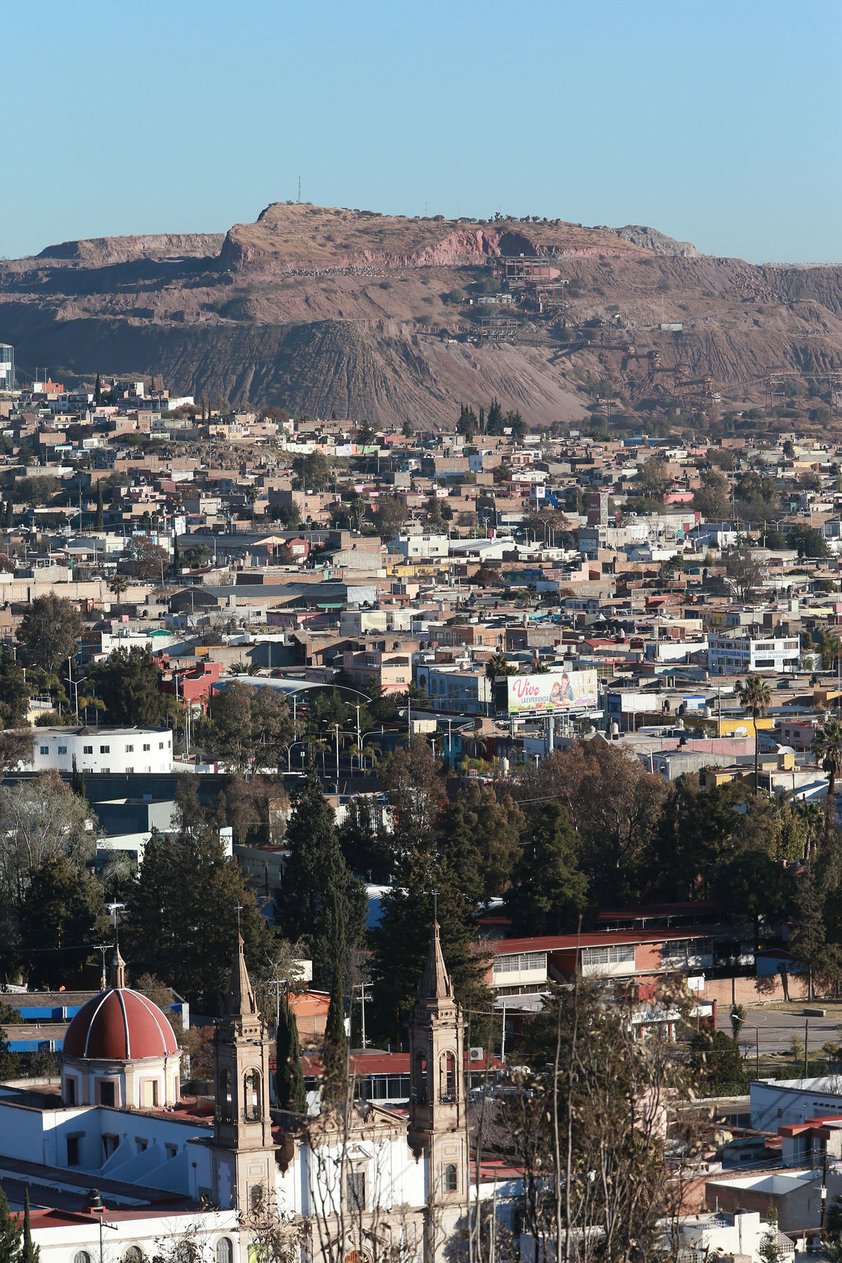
475 1054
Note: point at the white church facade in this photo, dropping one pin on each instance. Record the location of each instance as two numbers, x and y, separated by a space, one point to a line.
355 1185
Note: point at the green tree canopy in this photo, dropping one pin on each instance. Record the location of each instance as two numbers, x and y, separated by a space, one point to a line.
713 495
614 806
128 682
11 1233
808 541
48 632
313 472
827 747
248 727
40 819
62 917
14 691
480 835
181 917
549 890
319 902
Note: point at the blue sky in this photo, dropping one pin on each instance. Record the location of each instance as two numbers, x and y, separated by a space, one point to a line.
717 121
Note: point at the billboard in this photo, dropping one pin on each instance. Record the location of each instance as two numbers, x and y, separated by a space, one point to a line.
554 691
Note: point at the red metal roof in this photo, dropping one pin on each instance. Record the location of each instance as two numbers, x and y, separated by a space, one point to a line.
119 1025
364 1064
596 938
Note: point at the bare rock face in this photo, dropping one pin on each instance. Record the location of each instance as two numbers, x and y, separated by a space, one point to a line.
101 251
353 313
657 242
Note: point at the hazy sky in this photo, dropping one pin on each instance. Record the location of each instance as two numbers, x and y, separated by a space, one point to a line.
717 121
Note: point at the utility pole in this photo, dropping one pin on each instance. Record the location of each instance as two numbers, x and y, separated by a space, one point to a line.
102 948
364 996
97 1207
277 983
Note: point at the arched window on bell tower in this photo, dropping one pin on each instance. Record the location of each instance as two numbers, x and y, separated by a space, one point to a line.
251 1096
224 1105
420 1076
447 1077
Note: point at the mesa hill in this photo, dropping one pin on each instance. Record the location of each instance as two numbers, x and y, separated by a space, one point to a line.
387 318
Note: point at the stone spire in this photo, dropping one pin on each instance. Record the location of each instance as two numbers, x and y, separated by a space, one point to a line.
241 994
435 980
119 970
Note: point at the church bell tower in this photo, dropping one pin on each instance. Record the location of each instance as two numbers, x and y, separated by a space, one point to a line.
437 1104
243 1152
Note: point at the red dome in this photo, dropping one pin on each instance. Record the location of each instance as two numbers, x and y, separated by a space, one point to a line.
119 1025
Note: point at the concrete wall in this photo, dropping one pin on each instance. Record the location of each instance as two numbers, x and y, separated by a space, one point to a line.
755 990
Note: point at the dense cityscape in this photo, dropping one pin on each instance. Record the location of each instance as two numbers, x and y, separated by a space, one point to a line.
415 845
421 632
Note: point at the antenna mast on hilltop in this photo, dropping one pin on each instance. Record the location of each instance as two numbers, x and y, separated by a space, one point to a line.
299 188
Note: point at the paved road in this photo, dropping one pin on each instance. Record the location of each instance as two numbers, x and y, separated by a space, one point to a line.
773 1029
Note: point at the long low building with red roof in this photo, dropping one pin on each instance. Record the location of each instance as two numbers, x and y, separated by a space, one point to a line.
523 965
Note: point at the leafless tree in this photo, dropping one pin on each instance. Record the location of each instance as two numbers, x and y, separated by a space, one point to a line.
276 1235
589 1125
742 572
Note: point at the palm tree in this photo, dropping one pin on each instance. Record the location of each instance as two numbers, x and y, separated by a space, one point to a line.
754 695
827 644
117 585
498 664
827 746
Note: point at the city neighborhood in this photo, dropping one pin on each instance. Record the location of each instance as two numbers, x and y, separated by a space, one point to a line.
347 773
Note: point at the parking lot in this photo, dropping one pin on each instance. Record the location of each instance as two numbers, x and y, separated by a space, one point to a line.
772 1029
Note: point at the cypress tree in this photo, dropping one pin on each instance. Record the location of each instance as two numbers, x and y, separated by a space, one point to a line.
10 1233
335 1048
100 517
319 900
289 1079
30 1253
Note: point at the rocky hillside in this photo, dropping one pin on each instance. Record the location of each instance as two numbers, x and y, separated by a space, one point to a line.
352 313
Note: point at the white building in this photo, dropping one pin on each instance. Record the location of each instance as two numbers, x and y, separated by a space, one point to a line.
741 1234
117 1126
784 1102
421 547
104 750
449 688
741 655
7 366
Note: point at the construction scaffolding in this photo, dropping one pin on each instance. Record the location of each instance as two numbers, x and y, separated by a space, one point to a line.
497 329
828 382
521 270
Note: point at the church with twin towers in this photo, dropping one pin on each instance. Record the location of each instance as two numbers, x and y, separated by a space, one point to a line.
352 1184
